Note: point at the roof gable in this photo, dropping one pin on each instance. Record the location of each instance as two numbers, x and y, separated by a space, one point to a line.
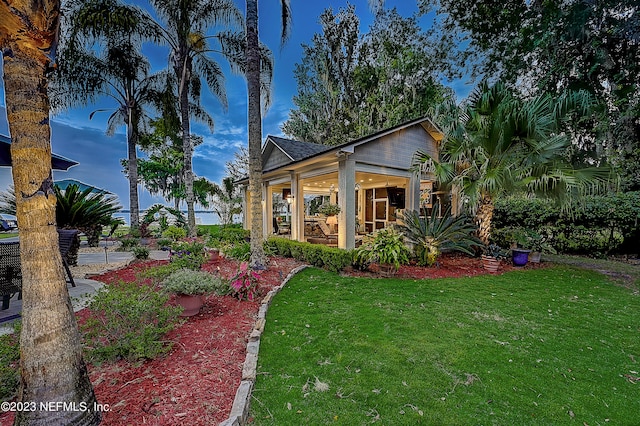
278 152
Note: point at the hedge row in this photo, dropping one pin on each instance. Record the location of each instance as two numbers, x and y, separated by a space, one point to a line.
331 258
597 225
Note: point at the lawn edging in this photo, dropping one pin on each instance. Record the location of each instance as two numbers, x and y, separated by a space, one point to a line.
242 400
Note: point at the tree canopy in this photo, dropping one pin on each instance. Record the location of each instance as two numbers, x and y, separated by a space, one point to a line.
544 46
350 85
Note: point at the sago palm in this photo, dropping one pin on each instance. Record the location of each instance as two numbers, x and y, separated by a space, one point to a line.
496 143
433 235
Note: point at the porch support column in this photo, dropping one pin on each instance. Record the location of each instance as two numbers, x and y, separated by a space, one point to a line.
297 207
267 211
412 201
347 203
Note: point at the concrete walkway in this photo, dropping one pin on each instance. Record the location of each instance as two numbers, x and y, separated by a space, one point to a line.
80 294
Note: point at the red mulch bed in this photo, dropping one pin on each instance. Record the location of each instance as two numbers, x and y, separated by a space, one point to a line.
195 383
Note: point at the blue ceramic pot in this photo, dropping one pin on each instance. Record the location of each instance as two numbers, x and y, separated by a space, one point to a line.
520 256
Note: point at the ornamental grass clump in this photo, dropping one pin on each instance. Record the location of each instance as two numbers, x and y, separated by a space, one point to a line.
244 285
188 281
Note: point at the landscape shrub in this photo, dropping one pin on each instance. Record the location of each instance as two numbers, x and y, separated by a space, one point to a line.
140 252
385 246
9 358
188 254
597 225
158 273
128 321
229 233
335 259
188 281
174 233
238 251
434 235
128 242
331 258
313 254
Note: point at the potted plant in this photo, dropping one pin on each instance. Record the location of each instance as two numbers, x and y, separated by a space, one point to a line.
491 256
386 248
538 245
519 239
189 286
329 209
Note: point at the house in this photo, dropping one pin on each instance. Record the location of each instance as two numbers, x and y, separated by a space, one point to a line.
369 178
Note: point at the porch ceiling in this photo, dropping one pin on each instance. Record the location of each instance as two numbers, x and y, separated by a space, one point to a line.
322 183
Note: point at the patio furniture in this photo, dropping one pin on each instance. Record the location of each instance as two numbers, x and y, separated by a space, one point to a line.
10 272
10 269
6 225
66 239
326 231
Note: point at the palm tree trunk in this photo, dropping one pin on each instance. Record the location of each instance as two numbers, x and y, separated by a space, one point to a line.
132 165
183 73
484 216
51 364
255 135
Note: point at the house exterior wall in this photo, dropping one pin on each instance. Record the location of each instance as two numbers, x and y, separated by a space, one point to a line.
396 150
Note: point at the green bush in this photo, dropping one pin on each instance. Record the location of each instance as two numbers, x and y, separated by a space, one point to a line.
164 243
226 234
159 273
239 251
140 252
188 254
188 281
597 224
433 235
128 321
9 358
174 233
331 258
385 246
127 243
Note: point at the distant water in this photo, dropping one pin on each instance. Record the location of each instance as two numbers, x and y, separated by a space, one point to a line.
202 217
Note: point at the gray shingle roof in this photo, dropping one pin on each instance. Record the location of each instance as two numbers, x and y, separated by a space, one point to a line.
298 150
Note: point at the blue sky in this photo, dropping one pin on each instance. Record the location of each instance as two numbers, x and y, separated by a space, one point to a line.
83 140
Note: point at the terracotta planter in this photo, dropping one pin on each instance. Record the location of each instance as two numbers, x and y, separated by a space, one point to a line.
490 264
190 303
520 256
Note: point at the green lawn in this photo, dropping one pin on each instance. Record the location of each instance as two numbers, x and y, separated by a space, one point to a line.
541 347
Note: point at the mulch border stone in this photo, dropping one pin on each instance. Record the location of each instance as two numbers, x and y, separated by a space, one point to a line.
242 401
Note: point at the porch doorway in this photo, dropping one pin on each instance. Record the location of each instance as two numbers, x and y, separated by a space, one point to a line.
377 211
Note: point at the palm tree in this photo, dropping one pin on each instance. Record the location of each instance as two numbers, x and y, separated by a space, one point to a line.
51 363
186 23
226 201
497 143
254 117
116 70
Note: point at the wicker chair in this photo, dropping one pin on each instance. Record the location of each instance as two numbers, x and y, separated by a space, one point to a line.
10 272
